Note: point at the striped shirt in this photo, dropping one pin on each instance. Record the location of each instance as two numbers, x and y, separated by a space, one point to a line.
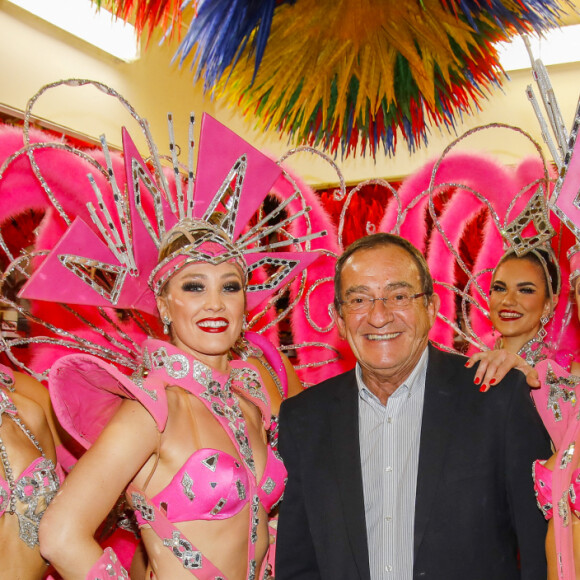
389 448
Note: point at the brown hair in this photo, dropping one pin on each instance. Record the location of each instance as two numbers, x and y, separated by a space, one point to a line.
542 259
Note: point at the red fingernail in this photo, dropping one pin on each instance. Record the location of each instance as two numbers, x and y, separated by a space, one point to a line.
477 380
483 388
467 364
492 382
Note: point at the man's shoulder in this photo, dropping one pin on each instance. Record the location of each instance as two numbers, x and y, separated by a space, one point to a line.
437 354
441 362
324 390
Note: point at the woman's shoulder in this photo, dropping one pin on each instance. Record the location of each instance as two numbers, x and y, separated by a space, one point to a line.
86 393
33 416
30 411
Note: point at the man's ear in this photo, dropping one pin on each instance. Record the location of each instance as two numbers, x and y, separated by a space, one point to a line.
338 320
433 307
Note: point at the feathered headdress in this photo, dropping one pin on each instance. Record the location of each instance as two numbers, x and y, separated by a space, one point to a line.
118 266
104 216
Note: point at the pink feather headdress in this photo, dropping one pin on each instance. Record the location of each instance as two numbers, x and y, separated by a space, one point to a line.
565 201
118 266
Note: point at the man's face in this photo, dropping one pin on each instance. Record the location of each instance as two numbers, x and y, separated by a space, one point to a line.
386 341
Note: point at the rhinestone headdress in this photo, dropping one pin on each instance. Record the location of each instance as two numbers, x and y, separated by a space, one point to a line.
120 267
565 199
538 243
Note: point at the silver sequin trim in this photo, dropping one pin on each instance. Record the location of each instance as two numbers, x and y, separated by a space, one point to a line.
140 504
187 485
190 559
269 485
219 506
567 456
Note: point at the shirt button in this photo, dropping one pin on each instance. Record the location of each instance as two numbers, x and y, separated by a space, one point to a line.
388 518
389 568
388 469
390 420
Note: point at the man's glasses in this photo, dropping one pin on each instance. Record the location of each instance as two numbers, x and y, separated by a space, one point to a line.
395 301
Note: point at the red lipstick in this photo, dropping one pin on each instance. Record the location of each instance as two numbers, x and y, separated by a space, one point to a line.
213 325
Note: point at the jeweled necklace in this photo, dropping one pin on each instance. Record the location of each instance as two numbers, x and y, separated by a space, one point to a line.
224 403
221 399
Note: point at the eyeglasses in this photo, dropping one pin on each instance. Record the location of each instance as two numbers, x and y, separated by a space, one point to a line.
395 301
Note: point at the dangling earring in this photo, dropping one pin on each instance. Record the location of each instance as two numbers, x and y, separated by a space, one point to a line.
166 323
542 333
242 347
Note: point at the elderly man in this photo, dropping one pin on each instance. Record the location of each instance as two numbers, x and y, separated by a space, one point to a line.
401 469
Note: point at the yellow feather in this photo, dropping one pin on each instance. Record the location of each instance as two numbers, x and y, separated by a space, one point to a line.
314 42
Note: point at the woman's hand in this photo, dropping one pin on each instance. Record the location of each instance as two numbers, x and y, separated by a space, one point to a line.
495 364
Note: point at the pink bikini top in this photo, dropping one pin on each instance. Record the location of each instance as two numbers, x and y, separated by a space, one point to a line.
556 402
543 489
38 479
36 486
213 485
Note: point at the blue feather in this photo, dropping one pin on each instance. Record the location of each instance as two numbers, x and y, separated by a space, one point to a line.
221 32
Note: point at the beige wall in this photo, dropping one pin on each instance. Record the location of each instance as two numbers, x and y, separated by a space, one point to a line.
34 54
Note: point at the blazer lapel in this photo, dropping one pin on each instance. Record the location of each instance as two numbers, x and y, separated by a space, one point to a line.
344 442
436 429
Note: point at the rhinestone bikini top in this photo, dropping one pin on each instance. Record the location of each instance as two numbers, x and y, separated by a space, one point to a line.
212 484
27 496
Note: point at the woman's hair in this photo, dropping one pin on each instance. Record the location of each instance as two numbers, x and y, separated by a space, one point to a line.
175 241
545 261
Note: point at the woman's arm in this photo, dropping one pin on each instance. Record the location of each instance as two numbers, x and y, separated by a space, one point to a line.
92 488
294 383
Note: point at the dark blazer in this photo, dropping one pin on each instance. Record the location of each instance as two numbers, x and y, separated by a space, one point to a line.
475 506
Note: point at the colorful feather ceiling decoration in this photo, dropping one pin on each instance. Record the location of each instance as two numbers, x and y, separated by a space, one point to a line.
347 76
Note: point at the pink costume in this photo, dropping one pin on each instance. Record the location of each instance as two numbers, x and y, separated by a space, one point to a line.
556 402
114 261
211 484
36 486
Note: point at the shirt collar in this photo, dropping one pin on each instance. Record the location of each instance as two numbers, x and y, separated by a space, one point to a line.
417 377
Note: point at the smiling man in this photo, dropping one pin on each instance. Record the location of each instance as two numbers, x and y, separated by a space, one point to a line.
400 469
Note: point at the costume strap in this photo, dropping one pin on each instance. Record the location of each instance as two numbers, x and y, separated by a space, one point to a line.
273 358
6 377
191 558
107 567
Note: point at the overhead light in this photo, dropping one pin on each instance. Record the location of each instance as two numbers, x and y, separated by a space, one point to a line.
82 19
558 46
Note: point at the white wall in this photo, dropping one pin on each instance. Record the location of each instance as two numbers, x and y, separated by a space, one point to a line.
33 54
